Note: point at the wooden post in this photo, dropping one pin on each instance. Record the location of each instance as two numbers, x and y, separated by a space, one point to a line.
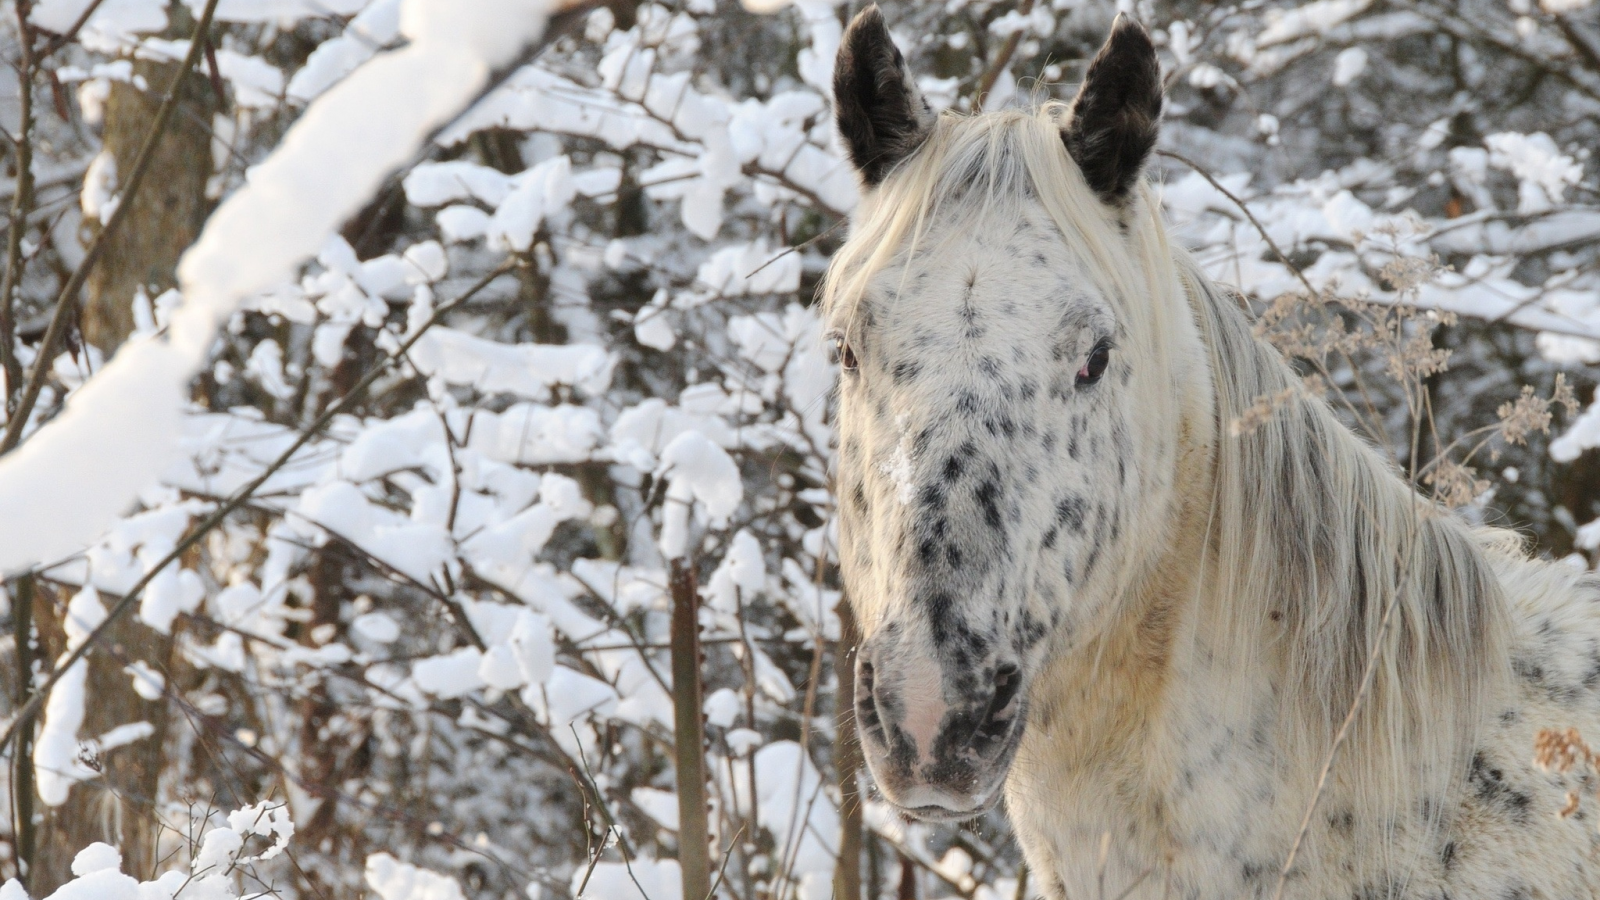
847 757
694 850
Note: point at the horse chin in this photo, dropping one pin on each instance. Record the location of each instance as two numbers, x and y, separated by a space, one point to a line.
944 813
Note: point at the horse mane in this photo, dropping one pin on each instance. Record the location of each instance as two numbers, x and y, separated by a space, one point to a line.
1313 535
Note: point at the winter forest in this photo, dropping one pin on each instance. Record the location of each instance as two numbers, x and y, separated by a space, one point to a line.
417 437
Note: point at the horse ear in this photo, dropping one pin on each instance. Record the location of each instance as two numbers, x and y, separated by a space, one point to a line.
1117 113
881 114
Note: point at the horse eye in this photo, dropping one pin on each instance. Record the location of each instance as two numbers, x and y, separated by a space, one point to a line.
1099 358
843 355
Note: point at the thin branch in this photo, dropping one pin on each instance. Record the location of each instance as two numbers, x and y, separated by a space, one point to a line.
21 208
797 247
1245 209
238 499
1001 61
1374 654
67 302
1579 42
1372 425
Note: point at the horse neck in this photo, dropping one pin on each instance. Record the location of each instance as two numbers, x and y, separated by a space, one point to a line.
1273 640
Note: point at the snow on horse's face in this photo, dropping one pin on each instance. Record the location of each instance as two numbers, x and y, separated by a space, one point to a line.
987 458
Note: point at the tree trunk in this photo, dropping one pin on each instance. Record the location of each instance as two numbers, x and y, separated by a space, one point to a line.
119 807
170 208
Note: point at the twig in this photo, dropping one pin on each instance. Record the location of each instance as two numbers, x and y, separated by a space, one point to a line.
611 823
1374 654
797 247
22 777
21 207
1372 425
238 499
1001 61
1245 209
67 302
22 771
1579 42
723 869
215 74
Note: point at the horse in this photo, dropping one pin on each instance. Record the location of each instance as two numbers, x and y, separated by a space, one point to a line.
1080 587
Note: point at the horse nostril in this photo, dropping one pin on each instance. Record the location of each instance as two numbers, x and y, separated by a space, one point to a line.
1003 707
867 718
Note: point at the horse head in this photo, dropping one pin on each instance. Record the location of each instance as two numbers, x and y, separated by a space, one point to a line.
1005 418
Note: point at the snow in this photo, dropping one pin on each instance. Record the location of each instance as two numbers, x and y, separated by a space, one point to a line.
1308 19
281 12
1348 66
742 570
569 696
450 675
377 627
392 879
256 83
1581 435
266 819
102 885
113 18
540 193
95 857
217 850
55 749
525 370
376 26
701 474
791 798
123 735
99 195
747 269
1543 170
533 434
331 160
147 682
722 708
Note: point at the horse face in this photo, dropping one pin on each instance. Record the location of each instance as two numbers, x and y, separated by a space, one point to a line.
985 459
983 471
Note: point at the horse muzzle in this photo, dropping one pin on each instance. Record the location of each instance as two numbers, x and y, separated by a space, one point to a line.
933 759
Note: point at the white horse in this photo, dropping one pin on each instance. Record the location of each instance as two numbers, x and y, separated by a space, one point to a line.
1077 584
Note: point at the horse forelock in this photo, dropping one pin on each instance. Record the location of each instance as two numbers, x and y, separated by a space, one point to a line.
995 165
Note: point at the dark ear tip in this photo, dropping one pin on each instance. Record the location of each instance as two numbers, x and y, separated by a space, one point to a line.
1129 38
871 17
1126 27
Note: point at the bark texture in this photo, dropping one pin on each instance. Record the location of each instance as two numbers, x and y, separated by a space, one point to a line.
169 209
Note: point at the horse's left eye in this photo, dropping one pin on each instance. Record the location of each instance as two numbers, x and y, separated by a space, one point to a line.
843 355
1099 358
